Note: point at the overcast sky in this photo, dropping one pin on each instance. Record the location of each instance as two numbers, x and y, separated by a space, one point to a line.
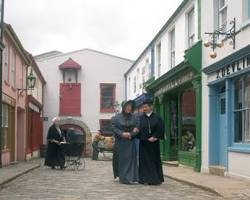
119 27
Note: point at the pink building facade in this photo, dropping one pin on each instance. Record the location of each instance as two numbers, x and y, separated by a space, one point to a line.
15 63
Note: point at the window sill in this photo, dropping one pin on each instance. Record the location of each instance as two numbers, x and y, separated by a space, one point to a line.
107 111
245 24
240 148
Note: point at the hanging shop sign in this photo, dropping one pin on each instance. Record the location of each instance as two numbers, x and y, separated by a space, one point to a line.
174 83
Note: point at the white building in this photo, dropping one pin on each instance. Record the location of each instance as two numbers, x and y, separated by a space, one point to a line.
226 89
82 88
171 67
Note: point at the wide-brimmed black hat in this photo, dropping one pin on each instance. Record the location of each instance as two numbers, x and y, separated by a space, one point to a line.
148 101
131 102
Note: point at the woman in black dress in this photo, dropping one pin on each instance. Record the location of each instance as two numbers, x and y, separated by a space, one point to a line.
55 155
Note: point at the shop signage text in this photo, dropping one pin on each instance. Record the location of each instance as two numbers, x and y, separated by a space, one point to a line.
175 83
233 67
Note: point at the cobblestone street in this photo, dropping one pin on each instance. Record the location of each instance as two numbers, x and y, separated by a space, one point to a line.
95 182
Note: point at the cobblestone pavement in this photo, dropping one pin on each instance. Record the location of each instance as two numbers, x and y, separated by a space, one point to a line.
95 182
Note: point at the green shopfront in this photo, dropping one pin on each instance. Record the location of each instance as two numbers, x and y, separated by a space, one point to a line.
177 98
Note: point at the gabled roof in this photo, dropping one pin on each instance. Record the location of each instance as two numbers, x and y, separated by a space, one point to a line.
59 54
70 64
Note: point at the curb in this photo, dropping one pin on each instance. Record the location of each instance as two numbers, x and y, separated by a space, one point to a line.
2 185
209 189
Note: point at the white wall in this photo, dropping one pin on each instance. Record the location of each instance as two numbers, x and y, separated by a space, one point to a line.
235 9
239 164
96 68
133 73
181 42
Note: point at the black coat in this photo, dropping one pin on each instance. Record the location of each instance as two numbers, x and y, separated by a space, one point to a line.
150 167
151 126
55 154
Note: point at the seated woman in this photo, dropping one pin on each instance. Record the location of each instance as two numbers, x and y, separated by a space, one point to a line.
55 155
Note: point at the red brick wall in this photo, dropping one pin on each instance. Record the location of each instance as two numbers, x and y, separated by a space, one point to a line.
70 99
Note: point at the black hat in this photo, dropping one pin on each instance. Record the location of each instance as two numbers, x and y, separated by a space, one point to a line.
131 102
148 101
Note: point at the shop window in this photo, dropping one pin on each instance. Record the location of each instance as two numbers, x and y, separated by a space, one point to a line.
188 133
242 110
107 97
105 126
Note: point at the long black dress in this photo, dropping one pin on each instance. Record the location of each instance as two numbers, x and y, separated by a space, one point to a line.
124 152
55 155
150 167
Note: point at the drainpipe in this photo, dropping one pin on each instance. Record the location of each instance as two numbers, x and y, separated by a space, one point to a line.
126 93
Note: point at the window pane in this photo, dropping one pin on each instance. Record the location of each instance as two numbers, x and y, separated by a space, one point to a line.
107 96
221 3
238 94
188 121
191 28
106 126
247 107
248 9
238 125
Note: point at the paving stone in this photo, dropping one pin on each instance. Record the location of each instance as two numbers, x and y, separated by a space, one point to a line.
95 182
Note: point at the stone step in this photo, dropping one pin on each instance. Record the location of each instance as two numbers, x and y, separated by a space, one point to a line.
171 163
217 170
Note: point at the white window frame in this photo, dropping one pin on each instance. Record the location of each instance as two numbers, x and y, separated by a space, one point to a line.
135 85
172 47
13 68
6 63
191 33
158 57
220 11
246 12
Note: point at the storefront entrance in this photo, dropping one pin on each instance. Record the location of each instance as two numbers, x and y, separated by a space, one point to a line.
173 129
218 128
222 133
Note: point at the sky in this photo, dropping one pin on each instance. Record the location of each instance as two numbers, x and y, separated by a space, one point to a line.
120 27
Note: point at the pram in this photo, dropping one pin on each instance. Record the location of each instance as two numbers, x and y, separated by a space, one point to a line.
73 149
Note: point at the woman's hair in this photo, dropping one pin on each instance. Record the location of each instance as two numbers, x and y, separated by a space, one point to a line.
126 103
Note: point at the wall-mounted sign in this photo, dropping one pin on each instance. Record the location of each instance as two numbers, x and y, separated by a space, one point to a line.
233 67
45 119
188 76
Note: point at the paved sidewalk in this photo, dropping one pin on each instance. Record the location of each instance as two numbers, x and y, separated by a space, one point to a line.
228 187
11 172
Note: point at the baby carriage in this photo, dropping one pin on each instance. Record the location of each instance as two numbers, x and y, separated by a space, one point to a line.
73 149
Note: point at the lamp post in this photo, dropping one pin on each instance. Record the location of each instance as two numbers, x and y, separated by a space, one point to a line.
1 71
